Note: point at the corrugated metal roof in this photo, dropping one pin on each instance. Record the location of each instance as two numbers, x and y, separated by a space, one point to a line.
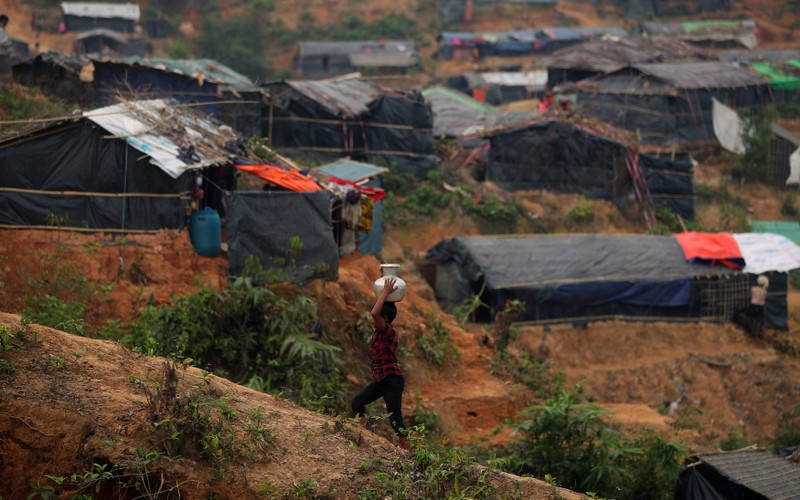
159 128
350 170
349 98
101 9
379 59
307 49
200 69
696 75
762 472
745 56
608 55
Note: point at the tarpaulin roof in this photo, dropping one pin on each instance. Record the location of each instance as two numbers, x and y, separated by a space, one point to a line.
203 70
532 79
158 128
524 261
101 9
114 35
765 252
307 49
710 248
778 77
608 55
789 229
289 179
348 98
759 474
382 59
676 28
673 76
700 74
457 115
770 55
350 170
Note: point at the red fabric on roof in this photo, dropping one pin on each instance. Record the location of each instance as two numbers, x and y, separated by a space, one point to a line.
372 192
711 248
290 179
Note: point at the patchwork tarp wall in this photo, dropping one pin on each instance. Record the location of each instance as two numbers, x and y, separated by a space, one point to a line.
262 224
72 175
669 104
561 157
324 121
584 277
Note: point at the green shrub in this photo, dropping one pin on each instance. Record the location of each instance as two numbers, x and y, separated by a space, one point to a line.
250 334
734 441
753 164
434 343
568 440
788 430
580 211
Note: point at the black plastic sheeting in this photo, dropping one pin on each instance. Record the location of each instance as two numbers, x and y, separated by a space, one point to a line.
560 157
396 130
75 157
669 118
262 224
568 277
670 181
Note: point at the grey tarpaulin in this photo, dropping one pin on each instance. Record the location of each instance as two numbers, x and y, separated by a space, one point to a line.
262 224
564 278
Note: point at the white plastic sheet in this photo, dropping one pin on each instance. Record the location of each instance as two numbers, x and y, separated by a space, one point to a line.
763 252
794 168
728 127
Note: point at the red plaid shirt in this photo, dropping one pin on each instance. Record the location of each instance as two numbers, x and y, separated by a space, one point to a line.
383 353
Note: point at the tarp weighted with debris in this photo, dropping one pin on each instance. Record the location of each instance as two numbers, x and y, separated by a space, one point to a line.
71 175
262 224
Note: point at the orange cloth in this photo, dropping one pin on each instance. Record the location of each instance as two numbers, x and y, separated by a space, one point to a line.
290 179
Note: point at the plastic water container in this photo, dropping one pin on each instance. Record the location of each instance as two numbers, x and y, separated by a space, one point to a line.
205 230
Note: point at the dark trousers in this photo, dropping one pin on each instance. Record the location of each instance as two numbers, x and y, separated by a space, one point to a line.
390 389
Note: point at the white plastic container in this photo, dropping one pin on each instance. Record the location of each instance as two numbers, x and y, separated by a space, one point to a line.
390 271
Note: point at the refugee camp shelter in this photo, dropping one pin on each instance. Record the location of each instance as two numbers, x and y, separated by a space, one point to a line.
286 232
597 57
780 68
367 220
223 92
670 103
83 16
322 121
380 57
127 167
580 278
58 74
565 158
755 474
498 87
460 46
105 41
708 33
459 117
